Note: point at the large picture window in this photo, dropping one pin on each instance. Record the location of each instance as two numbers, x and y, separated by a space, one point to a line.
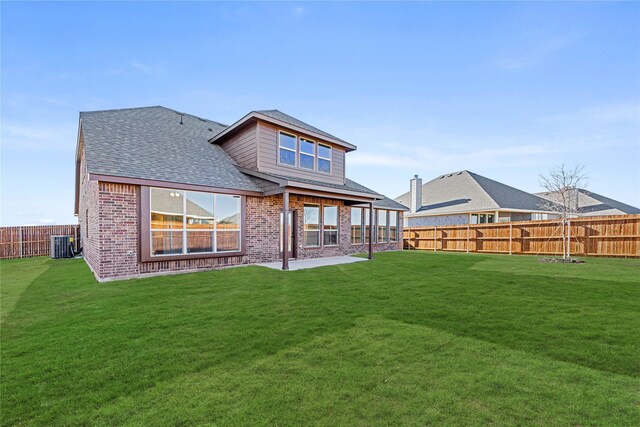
190 222
383 237
330 225
311 225
287 149
324 158
356 226
307 154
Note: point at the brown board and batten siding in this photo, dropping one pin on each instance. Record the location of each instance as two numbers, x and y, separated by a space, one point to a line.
242 147
268 157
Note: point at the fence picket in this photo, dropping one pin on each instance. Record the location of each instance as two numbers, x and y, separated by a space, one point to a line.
612 236
33 240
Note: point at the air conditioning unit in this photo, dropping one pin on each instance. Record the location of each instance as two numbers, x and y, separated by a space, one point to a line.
61 247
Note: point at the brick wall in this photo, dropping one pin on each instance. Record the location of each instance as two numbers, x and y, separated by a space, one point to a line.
88 217
118 228
111 249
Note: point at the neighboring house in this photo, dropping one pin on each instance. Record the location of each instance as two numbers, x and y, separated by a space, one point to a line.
592 204
159 191
468 198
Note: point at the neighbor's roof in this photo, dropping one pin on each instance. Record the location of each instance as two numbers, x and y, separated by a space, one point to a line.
285 120
466 191
151 143
592 204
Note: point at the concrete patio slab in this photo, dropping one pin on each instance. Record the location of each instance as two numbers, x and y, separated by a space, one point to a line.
313 263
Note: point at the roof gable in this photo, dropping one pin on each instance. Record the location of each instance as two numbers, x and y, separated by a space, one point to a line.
590 203
284 120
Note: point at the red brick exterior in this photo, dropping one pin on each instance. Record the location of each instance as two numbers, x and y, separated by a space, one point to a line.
111 229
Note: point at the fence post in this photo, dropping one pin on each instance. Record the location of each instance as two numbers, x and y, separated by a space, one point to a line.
468 232
510 236
435 237
568 238
20 242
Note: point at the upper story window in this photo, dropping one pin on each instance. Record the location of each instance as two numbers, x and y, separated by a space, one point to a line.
324 158
304 153
307 154
287 148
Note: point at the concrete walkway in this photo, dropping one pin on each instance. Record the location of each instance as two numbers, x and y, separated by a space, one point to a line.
313 263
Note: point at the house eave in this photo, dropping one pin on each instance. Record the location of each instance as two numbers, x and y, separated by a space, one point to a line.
169 184
468 211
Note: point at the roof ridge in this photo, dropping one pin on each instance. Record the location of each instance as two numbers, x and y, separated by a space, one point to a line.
114 110
110 110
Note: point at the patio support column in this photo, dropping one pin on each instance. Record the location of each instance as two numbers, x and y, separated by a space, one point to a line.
371 230
285 230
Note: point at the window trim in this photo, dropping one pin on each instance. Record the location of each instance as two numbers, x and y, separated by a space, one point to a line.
320 226
386 226
329 159
337 230
295 150
144 230
361 226
397 224
314 155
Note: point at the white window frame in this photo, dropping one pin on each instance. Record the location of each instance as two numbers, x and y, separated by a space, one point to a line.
320 226
314 155
337 230
397 224
294 150
329 159
386 225
185 231
361 227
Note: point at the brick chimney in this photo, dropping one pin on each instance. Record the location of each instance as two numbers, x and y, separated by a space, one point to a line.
416 194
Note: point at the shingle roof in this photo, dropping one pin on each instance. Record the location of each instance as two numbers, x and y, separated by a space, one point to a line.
349 185
388 203
279 115
593 204
151 143
384 203
466 191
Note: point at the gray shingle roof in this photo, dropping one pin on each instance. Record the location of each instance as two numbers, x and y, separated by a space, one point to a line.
150 143
279 115
349 185
388 203
466 191
593 204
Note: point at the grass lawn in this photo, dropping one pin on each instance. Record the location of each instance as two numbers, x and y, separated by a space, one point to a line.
411 338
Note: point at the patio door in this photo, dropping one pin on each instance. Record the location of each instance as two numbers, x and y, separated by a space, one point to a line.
290 234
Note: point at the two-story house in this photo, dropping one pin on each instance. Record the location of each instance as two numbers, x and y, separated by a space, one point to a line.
160 191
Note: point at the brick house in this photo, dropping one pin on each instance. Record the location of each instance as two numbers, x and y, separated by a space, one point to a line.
159 191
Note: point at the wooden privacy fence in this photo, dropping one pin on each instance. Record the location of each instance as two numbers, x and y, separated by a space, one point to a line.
33 240
612 236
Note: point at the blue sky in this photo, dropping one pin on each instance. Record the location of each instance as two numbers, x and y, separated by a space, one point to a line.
507 90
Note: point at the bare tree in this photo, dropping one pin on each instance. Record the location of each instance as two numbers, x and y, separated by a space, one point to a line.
563 185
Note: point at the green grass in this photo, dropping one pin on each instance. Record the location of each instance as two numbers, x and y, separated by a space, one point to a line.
411 338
